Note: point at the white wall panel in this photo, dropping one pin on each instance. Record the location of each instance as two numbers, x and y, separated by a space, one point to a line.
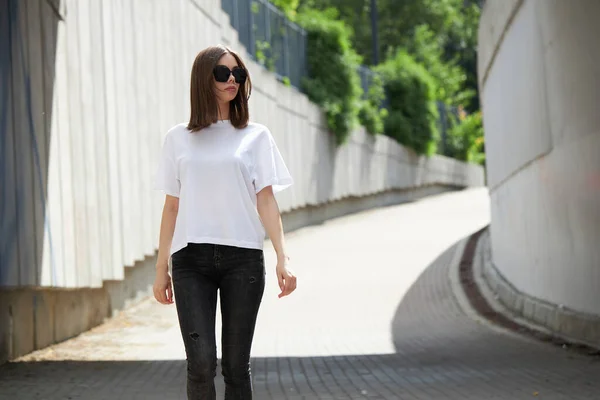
543 140
24 135
76 122
9 249
114 249
62 135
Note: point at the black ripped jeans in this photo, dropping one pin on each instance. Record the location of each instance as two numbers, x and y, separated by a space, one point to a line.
199 271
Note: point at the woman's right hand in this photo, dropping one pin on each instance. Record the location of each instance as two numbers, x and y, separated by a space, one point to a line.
163 289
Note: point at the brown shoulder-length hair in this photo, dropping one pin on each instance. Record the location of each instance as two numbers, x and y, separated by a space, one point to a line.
203 101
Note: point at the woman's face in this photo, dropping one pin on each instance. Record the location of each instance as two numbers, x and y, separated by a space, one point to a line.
226 91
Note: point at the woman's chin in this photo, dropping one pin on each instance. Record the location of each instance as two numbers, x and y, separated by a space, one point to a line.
226 98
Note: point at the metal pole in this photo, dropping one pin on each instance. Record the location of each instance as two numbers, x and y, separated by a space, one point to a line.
251 39
374 32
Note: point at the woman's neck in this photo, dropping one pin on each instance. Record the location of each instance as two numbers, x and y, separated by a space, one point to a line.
223 111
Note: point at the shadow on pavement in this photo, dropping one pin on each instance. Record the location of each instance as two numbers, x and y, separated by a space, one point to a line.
440 354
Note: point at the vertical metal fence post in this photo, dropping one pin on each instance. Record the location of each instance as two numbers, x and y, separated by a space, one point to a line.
286 52
268 52
443 125
251 39
294 64
374 32
304 53
236 15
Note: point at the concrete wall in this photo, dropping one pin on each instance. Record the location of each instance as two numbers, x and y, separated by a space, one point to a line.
88 90
539 68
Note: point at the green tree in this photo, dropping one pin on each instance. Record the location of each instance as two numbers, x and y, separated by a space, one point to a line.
452 24
413 115
462 44
427 49
333 81
356 15
466 140
372 114
429 52
289 7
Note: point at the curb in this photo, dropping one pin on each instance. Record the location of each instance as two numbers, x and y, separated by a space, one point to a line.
466 293
479 303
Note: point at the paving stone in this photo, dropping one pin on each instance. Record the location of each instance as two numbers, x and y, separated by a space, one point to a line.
374 317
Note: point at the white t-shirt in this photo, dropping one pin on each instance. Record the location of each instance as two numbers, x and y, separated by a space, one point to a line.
216 173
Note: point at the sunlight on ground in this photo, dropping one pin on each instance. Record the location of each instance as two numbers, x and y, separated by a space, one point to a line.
352 274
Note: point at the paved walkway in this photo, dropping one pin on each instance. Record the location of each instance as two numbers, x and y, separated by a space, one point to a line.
375 316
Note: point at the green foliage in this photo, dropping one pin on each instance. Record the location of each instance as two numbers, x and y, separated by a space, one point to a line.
371 118
413 114
430 48
466 140
356 15
372 114
449 76
288 7
461 43
333 81
454 24
263 48
398 19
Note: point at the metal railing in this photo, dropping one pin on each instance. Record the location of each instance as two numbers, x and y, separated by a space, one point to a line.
270 37
274 41
446 113
280 46
366 78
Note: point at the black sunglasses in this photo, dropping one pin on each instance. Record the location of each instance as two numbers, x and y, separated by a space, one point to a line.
222 74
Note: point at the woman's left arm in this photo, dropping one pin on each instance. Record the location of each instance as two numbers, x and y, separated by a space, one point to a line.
268 209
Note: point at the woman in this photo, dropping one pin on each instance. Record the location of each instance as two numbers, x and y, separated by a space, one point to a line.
219 173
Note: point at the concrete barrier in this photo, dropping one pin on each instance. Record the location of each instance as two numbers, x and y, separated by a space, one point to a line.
538 66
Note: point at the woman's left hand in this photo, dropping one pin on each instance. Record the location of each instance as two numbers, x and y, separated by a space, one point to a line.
285 277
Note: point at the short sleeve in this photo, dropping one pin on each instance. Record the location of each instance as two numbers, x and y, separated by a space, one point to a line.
166 177
269 166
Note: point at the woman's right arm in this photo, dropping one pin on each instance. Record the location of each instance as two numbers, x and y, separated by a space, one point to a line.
163 291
